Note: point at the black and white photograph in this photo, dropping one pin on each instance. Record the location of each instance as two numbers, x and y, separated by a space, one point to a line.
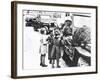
54 39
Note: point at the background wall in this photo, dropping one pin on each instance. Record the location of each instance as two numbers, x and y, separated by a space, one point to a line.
5 40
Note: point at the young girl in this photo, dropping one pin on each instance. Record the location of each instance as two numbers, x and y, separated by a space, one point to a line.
43 47
56 52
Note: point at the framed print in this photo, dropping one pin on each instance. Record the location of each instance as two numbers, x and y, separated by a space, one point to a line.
49 39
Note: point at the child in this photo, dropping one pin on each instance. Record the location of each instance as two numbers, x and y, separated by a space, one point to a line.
43 47
56 53
50 44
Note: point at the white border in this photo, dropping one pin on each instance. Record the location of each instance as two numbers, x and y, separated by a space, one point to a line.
21 72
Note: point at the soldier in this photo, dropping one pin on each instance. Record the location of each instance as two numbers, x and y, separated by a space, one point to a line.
67 29
67 39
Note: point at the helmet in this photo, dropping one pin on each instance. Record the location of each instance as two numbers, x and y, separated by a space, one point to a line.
68 18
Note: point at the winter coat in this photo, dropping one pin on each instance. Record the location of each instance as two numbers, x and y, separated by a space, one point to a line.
50 45
56 49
